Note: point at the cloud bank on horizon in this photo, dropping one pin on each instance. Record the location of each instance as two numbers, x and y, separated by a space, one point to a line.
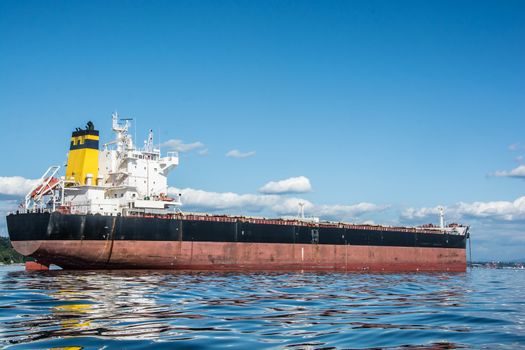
492 210
268 204
272 199
16 185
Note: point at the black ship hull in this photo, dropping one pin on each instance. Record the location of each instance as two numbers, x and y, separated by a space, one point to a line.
216 242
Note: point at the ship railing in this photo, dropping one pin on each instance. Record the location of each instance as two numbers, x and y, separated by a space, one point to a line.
32 211
283 222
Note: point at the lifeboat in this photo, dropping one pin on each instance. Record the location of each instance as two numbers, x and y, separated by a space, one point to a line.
45 188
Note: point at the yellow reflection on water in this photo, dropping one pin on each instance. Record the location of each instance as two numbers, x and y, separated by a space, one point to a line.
71 310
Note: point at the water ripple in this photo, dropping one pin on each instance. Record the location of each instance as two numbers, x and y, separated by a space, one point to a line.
140 309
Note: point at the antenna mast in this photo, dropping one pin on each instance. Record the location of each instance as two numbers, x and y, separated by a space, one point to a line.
442 218
300 214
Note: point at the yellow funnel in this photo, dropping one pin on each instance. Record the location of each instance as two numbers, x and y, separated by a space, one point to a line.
82 162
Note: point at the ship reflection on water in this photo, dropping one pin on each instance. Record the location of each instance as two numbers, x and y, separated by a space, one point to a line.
139 309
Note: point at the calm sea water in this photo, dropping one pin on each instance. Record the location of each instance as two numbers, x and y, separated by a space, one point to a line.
482 308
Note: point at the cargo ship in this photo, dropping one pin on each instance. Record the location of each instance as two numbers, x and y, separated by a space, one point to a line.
111 210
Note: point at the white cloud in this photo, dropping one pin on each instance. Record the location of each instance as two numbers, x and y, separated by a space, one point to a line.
222 200
203 152
421 213
235 153
180 146
198 200
515 146
16 185
348 211
299 184
497 210
516 172
493 210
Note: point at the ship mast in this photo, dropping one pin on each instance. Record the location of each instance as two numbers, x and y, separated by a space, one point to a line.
123 140
442 218
300 214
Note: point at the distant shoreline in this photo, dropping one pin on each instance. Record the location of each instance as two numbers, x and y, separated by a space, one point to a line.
8 255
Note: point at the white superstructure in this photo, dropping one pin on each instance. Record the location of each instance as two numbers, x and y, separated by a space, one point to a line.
130 180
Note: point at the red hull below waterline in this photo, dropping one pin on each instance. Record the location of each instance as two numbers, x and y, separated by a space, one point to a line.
228 256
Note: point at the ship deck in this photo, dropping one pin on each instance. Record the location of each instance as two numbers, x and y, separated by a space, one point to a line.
290 222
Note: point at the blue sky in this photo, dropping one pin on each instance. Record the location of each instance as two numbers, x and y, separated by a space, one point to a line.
405 104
